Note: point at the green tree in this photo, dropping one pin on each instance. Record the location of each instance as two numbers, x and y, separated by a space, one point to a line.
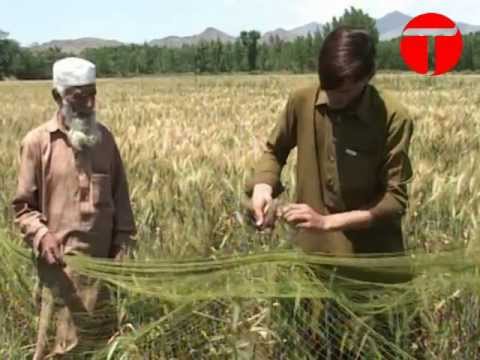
201 57
9 57
355 18
250 41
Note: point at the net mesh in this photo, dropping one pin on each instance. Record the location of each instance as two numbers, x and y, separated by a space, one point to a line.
271 305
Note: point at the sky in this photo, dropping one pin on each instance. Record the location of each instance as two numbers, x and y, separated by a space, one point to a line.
144 20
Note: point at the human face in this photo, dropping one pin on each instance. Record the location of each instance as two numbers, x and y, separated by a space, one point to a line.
78 115
81 99
344 95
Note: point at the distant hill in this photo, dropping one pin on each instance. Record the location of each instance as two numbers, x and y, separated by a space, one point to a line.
209 34
290 35
467 28
76 46
391 25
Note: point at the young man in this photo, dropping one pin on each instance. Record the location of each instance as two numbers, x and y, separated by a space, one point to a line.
72 196
352 171
353 163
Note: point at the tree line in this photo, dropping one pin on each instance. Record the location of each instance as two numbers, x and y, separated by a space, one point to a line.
246 54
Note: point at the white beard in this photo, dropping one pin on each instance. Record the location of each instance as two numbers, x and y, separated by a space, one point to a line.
83 132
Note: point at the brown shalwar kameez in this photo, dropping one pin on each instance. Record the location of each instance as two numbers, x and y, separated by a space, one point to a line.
82 198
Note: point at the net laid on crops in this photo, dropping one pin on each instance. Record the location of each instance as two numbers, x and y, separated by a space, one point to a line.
276 305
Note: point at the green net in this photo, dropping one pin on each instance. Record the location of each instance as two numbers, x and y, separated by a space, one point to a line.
281 304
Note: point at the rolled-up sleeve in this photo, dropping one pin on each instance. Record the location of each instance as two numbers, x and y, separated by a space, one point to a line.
279 144
396 171
26 203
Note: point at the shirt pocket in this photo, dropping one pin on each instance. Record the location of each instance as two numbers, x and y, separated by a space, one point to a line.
102 191
357 168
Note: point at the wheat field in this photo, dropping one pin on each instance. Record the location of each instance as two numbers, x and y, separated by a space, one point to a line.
188 144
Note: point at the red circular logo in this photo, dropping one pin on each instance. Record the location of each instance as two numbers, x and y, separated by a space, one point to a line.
447 39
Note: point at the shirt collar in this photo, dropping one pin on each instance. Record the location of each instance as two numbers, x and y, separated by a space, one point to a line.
55 124
360 108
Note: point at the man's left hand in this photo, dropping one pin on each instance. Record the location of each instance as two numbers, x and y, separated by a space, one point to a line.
304 217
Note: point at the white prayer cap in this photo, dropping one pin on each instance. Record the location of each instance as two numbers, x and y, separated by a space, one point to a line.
73 71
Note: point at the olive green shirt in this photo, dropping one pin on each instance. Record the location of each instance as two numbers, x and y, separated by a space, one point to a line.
352 159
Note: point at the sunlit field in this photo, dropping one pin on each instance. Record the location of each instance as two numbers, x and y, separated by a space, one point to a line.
188 144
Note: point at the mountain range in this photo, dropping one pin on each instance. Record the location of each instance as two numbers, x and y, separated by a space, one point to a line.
389 27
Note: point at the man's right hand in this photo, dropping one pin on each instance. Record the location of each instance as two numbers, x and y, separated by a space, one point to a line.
51 250
261 200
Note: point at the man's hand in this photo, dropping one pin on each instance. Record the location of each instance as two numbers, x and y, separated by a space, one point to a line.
303 216
261 201
51 250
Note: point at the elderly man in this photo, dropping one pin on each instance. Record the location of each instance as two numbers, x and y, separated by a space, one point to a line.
72 196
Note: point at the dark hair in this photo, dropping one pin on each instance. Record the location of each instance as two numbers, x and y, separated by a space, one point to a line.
346 54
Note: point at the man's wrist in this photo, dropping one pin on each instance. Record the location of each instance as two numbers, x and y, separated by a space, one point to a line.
333 222
263 187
